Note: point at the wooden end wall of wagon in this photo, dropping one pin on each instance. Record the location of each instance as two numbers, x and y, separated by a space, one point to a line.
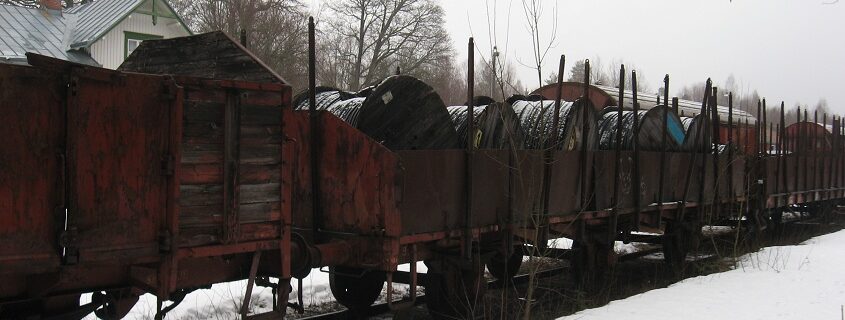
155 177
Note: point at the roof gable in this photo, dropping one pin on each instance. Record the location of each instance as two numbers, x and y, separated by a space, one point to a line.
212 55
97 18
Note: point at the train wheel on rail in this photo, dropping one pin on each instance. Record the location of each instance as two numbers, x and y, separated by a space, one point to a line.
117 304
591 263
354 288
758 226
774 223
503 266
453 290
826 211
678 241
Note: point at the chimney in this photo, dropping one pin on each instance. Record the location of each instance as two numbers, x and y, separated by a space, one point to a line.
51 4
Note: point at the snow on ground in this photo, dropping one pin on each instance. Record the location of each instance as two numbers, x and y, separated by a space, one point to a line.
805 281
619 246
223 300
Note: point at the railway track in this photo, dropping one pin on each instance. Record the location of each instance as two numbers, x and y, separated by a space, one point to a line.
793 231
383 308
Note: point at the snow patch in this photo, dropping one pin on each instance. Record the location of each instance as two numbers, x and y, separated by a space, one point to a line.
804 281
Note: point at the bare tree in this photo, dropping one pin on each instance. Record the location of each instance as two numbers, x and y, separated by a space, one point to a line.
822 107
533 10
551 79
447 79
387 33
611 76
276 29
744 98
505 81
332 69
597 74
692 92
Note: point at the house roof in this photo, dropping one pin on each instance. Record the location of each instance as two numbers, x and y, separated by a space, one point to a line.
25 30
62 35
98 17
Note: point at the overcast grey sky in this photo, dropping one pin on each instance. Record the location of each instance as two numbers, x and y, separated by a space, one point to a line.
787 50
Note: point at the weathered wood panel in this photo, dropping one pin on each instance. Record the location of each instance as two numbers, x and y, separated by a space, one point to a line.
255 139
212 55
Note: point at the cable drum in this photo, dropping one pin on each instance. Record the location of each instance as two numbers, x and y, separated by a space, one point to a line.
687 122
694 134
650 136
496 123
325 97
344 105
404 113
537 120
401 113
347 110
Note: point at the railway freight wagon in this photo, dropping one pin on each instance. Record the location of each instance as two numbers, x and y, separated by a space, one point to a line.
122 183
112 182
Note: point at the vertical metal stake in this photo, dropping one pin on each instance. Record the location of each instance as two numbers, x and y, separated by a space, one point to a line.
470 150
637 177
314 132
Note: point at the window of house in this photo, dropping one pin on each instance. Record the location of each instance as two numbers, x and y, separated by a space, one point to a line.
134 39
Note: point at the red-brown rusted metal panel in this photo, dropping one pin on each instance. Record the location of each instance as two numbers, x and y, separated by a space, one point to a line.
31 165
565 186
492 200
527 186
505 189
433 193
679 178
604 166
650 177
118 141
360 178
434 197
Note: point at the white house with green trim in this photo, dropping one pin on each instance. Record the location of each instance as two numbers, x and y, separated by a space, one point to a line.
101 32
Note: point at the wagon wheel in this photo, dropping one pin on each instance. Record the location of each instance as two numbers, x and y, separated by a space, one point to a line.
504 267
774 223
826 210
678 241
118 304
453 292
591 263
354 288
